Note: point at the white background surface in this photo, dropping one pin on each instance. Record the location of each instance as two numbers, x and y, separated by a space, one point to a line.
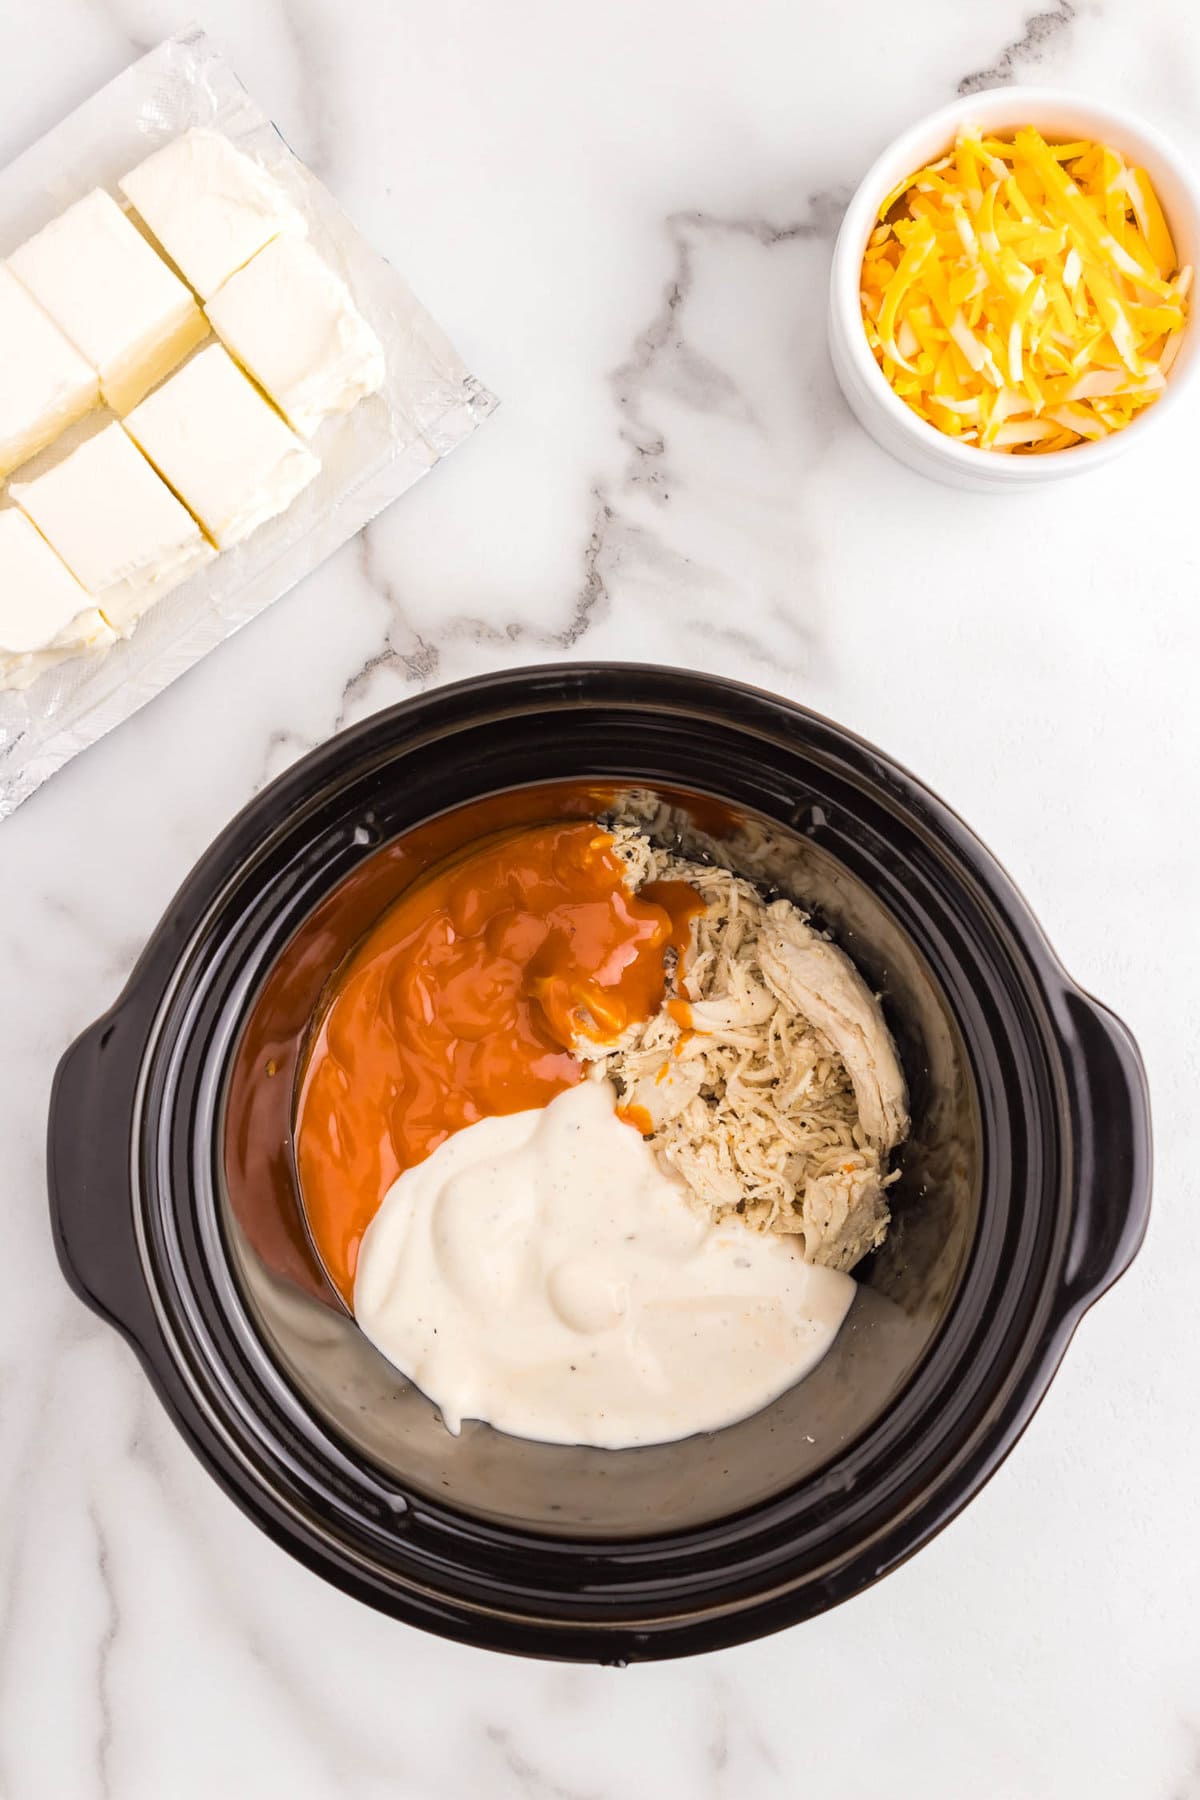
622 214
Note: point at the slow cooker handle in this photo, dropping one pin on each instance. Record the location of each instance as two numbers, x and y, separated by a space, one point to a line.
88 1171
1113 1149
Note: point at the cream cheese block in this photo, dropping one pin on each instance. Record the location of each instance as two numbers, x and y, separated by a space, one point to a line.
123 309
210 207
291 322
45 615
46 384
222 447
119 529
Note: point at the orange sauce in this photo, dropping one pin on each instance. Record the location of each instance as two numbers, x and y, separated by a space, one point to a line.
638 1117
463 1001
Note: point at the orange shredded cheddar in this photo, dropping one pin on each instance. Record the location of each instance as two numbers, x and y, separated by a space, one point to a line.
1024 296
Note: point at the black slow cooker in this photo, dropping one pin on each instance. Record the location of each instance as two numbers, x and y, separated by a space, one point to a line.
1023 1191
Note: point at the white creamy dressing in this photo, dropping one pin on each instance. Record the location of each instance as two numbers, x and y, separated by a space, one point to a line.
543 1272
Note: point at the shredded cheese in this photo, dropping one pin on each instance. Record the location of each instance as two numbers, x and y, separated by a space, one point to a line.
1024 296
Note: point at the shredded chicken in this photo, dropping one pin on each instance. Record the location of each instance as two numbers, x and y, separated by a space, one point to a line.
775 1092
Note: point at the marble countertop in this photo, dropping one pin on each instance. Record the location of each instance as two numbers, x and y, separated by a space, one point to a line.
623 215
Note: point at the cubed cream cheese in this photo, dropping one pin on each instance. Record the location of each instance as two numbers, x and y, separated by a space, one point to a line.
223 448
119 529
46 385
210 207
119 303
45 616
291 321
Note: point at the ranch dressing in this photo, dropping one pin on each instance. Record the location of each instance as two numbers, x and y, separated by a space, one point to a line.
542 1271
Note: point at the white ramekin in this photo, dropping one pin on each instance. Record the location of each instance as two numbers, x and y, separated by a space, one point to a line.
894 425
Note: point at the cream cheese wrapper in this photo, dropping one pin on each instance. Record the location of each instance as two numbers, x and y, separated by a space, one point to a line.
426 404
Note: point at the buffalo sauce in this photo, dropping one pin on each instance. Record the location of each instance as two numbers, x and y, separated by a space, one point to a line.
463 1003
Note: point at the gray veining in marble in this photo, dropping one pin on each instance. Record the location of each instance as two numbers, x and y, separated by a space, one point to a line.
1042 37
